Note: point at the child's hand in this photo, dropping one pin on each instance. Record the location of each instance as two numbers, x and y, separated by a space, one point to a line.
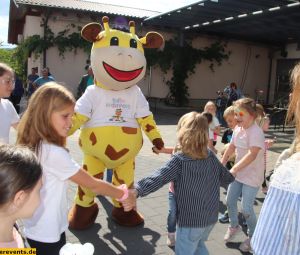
130 203
166 150
233 172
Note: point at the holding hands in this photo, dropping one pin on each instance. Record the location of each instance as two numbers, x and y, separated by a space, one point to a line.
128 199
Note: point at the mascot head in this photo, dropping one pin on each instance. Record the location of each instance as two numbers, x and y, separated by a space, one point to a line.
117 57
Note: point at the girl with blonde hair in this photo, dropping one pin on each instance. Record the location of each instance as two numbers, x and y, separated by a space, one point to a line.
248 142
197 175
44 128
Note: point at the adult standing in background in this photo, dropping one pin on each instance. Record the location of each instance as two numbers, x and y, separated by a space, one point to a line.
8 115
43 79
17 93
30 79
86 80
232 93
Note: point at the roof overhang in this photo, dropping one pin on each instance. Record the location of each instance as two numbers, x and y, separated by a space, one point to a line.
20 8
273 22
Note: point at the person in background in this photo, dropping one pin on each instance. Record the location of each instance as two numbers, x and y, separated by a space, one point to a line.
215 125
231 92
210 143
86 80
20 184
197 175
263 121
43 79
30 79
221 102
17 93
8 115
226 139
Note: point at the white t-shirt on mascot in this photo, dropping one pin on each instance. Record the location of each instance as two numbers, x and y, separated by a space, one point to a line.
110 108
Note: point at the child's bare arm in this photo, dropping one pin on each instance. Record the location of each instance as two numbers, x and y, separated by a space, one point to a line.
99 187
246 160
228 152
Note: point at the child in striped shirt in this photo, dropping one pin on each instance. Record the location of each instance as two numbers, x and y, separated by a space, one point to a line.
197 175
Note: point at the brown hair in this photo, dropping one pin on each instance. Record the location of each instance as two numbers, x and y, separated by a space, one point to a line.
248 104
193 136
19 170
35 124
4 68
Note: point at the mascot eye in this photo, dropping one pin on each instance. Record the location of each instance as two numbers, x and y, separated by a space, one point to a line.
114 41
133 43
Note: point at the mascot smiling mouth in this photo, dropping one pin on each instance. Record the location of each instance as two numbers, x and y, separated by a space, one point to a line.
122 76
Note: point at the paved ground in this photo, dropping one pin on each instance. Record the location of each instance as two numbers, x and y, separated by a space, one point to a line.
109 238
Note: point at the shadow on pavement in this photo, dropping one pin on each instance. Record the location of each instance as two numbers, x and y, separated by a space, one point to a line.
122 240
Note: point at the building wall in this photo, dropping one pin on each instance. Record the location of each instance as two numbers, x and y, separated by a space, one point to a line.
248 64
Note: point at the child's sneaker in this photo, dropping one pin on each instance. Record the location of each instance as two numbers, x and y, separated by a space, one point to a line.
231 233
171 239
246 246
224 218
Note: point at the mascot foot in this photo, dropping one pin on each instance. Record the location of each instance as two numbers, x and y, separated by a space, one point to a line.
82 217
127 219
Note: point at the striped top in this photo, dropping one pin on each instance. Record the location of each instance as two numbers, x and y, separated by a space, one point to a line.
277 231
196 184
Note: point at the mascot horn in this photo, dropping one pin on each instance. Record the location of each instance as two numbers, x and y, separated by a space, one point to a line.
111 114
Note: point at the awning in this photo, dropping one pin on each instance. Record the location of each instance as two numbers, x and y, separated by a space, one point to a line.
267 21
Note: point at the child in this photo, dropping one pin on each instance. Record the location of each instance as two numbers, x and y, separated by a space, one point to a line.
210 144
263 122
20 183
226 138
197 174
8 115
277 231
171 222
215 125
44 128
248 142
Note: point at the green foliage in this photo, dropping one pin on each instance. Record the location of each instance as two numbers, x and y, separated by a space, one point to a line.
183 60
7 56
64 40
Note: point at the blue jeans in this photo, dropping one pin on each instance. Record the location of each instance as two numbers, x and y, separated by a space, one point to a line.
109 174
190 241
235 189
171 228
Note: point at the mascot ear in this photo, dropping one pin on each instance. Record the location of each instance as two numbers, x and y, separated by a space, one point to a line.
91 31
152 40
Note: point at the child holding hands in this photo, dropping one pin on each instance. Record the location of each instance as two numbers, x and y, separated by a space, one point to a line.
44 128
197 175
248 143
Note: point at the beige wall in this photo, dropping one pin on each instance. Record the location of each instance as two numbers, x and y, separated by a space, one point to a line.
247 65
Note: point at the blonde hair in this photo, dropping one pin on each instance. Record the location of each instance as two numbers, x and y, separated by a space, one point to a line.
228 111
248 104
294 104
35 124
193 136
209 103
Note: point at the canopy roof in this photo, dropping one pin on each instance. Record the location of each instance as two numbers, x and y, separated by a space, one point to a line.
273 22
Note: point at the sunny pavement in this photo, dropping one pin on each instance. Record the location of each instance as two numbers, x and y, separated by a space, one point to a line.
150 238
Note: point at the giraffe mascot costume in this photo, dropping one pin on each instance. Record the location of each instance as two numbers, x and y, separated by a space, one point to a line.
111 114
